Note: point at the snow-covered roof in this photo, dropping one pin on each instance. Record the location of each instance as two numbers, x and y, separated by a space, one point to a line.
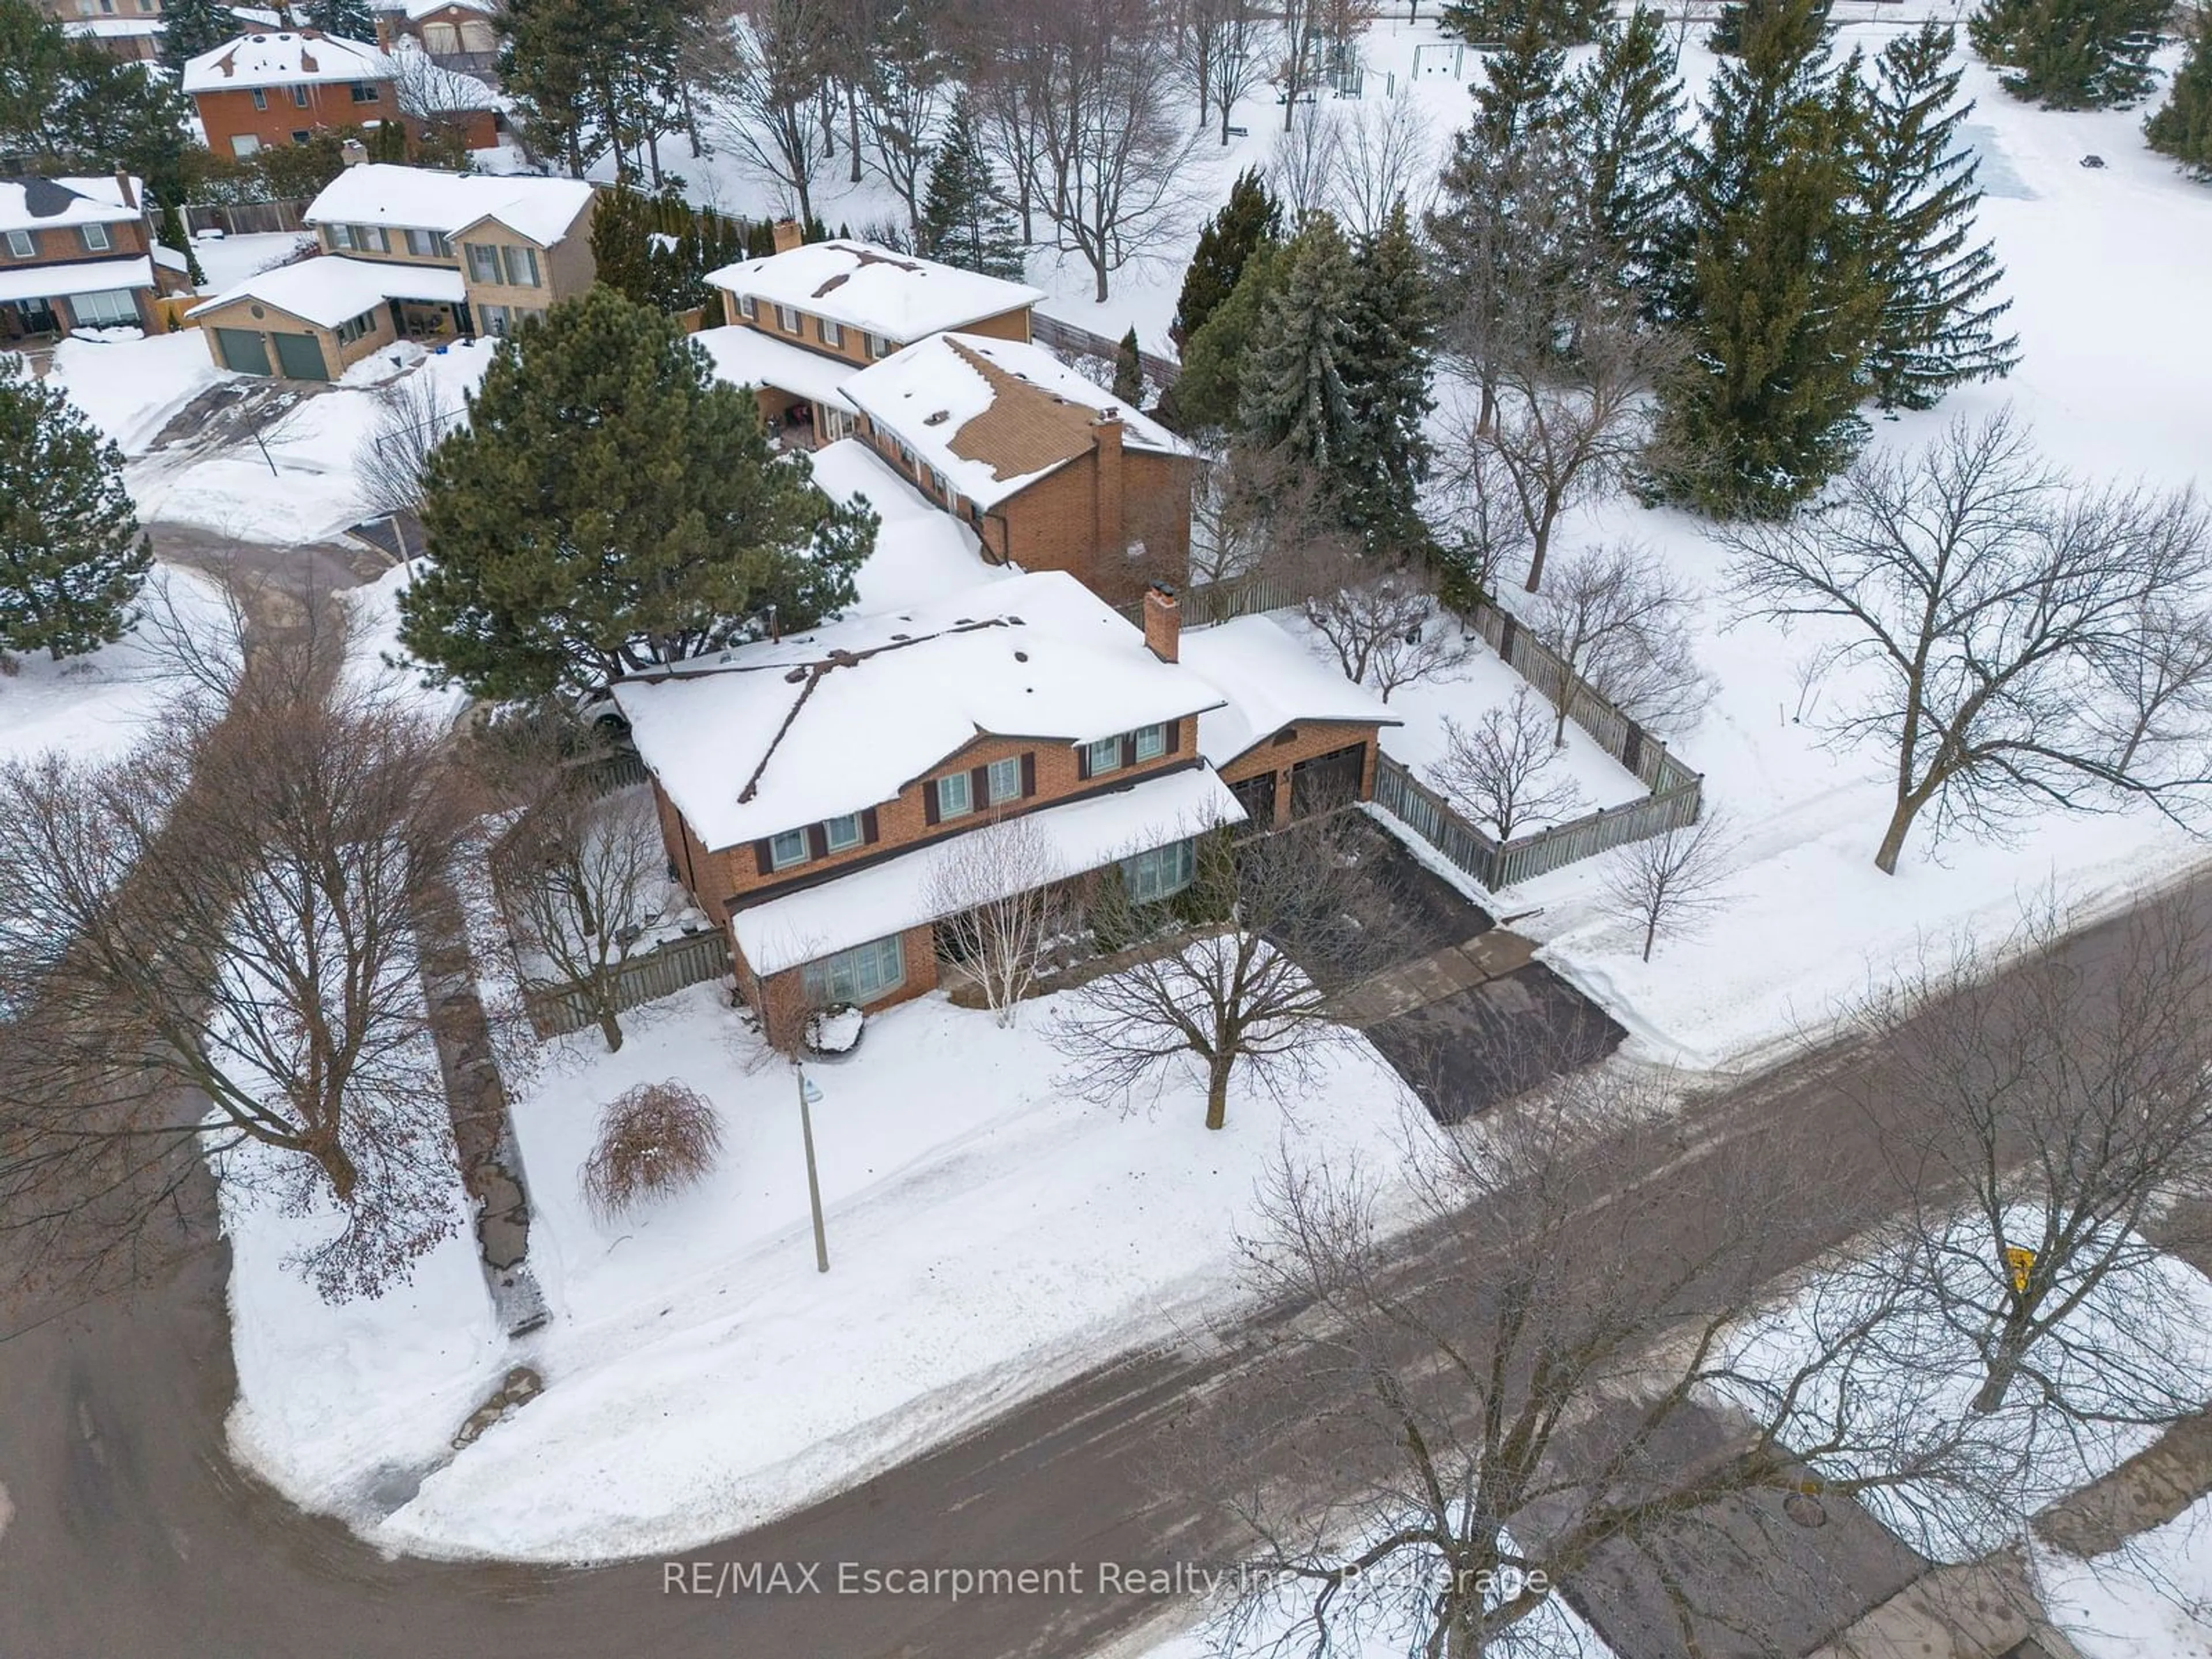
36 204
747 357
994 416
94 276
881 899
329 289
111 28
1269 680
417 10
768 737
921 552
875 289
284 58
424 199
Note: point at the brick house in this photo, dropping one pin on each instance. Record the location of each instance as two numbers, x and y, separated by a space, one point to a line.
1045 466
281 87
810 789
409 253
455 34
77 253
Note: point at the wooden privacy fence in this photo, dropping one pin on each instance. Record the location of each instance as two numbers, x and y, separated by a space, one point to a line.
660 972
1216 602
1160 372
247 218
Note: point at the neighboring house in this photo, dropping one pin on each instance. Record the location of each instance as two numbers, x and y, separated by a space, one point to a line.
76 253
129 29
410 253
813 312
1050 471
281 87
456 34
810 789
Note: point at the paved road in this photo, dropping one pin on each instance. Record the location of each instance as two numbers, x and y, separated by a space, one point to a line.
134 1538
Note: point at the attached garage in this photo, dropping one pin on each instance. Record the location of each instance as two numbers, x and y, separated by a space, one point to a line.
299 357
241 350
1327 781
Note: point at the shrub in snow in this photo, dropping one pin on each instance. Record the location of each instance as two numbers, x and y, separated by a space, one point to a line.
654 1140
835 1030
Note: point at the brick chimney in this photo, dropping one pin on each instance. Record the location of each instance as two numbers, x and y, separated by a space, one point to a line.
353 153
123 188
1163 622
789 234
1110 537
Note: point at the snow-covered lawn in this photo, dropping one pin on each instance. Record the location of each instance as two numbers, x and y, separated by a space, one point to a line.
228 261
988 1234
97 704
130 389
304 487
2151 1599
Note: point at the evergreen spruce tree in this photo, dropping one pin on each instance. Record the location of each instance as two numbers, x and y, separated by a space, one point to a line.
1487 22
348 19
1520 90
1129 371
1292 396
1916 197
174 235
1622 123
2182 126
1777 301
1388 361
612 504
71 558
1250 216
1209 389
190 28
622 243
963 221
2071 54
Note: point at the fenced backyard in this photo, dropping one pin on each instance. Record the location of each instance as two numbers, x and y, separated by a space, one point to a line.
660 972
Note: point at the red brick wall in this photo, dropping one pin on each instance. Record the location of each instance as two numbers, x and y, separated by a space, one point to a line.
60 245
781 1000
1310 740
226 114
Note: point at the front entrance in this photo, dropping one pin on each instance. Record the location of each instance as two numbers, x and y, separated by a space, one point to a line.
241 350
28 317
1327 781
299 357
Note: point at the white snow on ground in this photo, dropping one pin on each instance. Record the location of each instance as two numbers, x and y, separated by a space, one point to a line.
304 487
2151 1599
97 704
130 389
376 661
226 261
988 1234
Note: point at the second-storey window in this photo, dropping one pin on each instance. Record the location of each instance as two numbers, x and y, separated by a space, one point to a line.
365 92
832 336
339 237
430 243
842 834
96 240
955 795
747 309
1151 742
21 245
484 262
786 320
521 267
1006 779
299 97
260 99
1105 756
880 347
371 238
787 850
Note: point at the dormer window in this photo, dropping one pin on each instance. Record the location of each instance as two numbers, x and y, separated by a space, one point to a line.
95 238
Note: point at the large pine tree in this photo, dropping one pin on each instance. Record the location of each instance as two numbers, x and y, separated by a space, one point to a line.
1487 22
1916 197
190 28
1206 394
611 505
348 19
1292 395
1250 216
964 221
2181 127
2071 54
1390 358
71 558
1622 121
1779 304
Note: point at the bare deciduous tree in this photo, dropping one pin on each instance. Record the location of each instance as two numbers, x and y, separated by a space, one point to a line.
654 1140
1250 993
1221 47
769 110
2013 617
1503 771
1383 157
898 99
1303 162
413 413
2066 1099
1557 1389
1670 882
581 876
225 954
427 92
1005 902
1382 619
1619 619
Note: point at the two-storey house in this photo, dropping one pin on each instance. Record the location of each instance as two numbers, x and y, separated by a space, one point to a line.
408 252
455 34
129 29
811 789
75 254
280 88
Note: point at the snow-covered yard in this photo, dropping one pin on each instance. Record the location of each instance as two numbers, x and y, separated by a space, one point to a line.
988 1233
2151 1599
131 388
228 261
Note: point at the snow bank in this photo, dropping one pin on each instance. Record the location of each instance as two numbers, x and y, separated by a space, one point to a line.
2150 1600
130 389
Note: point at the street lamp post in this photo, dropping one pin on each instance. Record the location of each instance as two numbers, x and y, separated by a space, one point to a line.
808 1094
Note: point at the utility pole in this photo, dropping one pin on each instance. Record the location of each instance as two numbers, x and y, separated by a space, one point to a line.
807 1094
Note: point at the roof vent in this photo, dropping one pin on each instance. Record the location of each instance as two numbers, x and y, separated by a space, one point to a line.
1021 656
260 39
901 636
938 418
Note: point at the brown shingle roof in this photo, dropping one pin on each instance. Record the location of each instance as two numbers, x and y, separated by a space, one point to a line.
1025 429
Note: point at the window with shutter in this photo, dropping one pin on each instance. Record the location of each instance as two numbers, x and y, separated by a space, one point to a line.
1104 756
842 834
1006 779
954 795
1151 742
787 850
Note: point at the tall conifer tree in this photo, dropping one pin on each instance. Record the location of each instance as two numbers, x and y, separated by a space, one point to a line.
1250 216
964 222
190 28
2071 54
1292 392
1917 197
1622 122
1387 374
2181 127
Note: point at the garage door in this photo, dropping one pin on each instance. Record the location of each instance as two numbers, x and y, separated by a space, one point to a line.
1257 795
242 351
301 357
1327 781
